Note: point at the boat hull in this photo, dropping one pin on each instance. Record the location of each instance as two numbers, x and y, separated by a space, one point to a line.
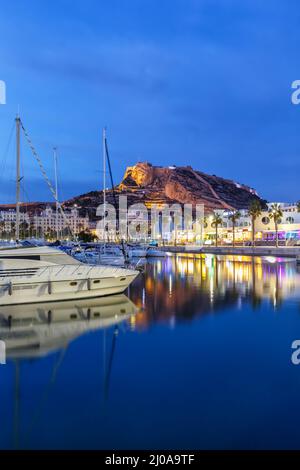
137 253
61 290
43 275
151 253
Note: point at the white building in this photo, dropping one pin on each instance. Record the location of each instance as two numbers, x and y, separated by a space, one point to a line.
48 221
8 219
288 225
45 222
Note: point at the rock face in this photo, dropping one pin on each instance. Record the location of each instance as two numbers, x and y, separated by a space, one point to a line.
150 184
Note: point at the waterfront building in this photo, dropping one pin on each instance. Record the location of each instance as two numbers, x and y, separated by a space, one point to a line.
8 220
49 221
288 226
44 222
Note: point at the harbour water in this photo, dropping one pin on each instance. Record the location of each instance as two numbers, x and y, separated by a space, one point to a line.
202 360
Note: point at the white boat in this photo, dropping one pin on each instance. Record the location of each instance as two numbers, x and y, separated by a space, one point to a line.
43 274
111 260
38 329
90 257
155 253
109 257
136 252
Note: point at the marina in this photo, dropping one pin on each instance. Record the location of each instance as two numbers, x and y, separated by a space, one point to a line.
149 233
197 332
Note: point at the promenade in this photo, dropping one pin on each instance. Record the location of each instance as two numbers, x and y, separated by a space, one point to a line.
281 251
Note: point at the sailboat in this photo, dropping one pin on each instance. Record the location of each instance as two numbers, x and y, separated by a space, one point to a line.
43 274
109 255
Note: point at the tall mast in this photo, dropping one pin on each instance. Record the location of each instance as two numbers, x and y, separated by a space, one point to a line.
104 178
56 192
18 125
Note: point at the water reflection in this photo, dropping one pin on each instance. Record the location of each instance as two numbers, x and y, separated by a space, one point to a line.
182 287
37 329
34 331
173 384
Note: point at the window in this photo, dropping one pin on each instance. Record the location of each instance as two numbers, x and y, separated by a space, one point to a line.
265 220
290 220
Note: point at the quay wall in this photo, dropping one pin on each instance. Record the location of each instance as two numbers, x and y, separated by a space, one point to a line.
282 251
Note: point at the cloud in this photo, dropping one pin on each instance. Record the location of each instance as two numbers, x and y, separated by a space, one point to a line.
137 68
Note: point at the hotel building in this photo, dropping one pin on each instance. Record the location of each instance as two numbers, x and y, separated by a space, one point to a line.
45 221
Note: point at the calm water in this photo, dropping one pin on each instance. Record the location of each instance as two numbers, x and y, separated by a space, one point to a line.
204 361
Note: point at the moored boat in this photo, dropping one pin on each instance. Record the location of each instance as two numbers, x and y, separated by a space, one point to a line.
155 253
43 274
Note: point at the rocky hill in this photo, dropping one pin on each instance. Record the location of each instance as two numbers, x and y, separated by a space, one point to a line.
150 184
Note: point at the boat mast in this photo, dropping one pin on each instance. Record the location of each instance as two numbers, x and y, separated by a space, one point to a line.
18 125
104 180
56 192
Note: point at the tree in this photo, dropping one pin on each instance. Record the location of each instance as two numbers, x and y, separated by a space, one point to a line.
234 217
254 212
2 227
13 229
217 220
50 234
298 206
85 236
23 229
276 214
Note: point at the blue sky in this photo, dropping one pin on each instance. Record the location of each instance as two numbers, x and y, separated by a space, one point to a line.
199 82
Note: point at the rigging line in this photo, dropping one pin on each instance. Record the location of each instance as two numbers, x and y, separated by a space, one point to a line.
114 196
47 180
7 149
25 196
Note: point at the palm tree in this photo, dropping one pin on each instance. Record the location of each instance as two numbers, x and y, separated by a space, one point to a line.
12 229
234 217
276 214
254 212
216 221
23 229
2 226
298 206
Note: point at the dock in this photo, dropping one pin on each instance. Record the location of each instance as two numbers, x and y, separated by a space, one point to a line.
281 251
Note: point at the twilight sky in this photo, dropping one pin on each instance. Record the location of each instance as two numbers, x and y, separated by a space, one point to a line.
199 82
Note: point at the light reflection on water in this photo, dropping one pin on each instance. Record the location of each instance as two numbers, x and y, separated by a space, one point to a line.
188 286
199 357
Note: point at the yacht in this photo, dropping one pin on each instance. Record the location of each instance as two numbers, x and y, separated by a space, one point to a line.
153 252
43 274
136 251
